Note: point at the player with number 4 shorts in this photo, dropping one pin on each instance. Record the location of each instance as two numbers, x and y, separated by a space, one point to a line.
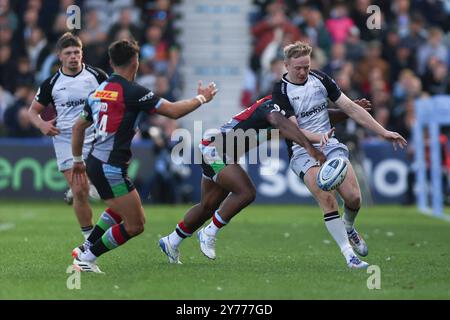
113 108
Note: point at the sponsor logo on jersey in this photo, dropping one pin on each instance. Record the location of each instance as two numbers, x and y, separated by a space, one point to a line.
106 95
148 96
314 110
73 103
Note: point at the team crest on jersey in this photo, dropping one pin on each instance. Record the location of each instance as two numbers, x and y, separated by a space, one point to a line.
106 95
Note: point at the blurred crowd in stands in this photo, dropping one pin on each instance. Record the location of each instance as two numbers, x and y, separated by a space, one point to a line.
406 58
28 33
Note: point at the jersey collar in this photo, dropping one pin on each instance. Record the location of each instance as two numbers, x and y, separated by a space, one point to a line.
295 84
72 76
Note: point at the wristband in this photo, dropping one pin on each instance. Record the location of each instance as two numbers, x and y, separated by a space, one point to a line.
201 98
77 159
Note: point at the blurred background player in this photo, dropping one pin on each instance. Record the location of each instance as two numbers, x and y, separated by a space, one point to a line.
114 108
67 90
224 182
307 92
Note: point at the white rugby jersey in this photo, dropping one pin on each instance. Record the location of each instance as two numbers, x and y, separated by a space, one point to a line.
309 101
68 94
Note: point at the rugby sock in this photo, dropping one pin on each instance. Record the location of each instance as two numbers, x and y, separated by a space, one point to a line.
111 239
337 230
86 231
349 217
180 233
216 224
108 219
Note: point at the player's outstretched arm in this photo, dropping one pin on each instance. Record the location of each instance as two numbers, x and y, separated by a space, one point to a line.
337 115
181 108
362 117
321 138
290 131
47 127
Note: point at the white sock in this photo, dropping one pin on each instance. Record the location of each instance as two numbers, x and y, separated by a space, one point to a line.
175 239
211 229
337 230
349 218
179 234
86 231
215 225
87 256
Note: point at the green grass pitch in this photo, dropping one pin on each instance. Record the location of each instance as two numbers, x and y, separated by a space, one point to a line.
267 252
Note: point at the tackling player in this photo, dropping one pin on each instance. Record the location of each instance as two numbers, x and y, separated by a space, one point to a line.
224 182
114 108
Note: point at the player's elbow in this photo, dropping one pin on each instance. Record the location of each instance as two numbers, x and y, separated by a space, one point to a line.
280 122
169 110
175 115
274 119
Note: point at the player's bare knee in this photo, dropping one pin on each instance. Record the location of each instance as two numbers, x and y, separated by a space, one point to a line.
354 200
135 229
252 195
248 196
208 206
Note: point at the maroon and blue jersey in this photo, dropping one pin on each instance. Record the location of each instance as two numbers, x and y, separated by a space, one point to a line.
114 108
254 117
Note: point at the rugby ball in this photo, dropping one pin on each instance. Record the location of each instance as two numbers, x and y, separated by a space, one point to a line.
332 174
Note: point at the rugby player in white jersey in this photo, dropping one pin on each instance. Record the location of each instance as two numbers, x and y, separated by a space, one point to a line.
307 92
67 90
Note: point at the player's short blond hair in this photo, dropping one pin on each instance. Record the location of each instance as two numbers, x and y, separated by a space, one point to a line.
296 50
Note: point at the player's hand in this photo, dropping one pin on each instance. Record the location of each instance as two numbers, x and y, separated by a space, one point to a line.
366 104
48 128
318 155
396 139
325 137
209 92
79 174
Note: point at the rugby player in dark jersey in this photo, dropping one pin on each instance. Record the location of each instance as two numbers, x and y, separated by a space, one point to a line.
114 108
224 182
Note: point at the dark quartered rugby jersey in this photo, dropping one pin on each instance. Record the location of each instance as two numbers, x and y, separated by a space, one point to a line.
252 121
114 108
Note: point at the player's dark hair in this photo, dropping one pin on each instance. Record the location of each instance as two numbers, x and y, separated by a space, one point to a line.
68 40
122 51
